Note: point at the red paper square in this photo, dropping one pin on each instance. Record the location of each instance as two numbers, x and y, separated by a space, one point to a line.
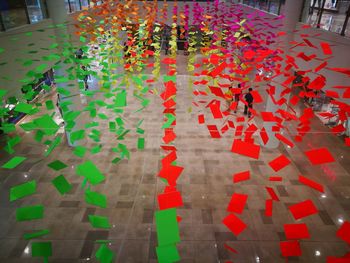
243 176
275 179
267 116
200 118
237 203
170 173
319 156
272 193
247 149
290 248
264 136
235 224
344 232
268 207
311 183
279 163
303 209
213 130
296 231
170 200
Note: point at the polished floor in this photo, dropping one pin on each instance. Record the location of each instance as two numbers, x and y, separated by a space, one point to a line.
206 185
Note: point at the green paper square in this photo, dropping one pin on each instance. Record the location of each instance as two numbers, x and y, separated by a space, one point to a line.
41 249
99 221
141 143
90 172
61 184
8 127
22 190
104 254
24 107
79 151
167 254
29 213
36 234
167 227
47 124
57 165
14 162
77 135
49 105
95 198
29 126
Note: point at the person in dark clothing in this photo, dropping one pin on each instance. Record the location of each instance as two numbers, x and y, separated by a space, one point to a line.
249 99
237 96
167 46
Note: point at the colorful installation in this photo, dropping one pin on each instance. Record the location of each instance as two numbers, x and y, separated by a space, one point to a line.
229 52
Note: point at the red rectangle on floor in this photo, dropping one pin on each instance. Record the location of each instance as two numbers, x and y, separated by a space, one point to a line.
319 156
246 149
303 209
279 163
235 224
237 203
296 231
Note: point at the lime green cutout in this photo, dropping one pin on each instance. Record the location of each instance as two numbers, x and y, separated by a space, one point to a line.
14 162
99 221
22 190
29 213
90 172
61 184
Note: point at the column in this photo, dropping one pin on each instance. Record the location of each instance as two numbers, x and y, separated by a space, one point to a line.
58 14
292 10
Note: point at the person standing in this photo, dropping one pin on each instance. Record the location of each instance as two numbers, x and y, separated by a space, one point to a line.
249 103
238 96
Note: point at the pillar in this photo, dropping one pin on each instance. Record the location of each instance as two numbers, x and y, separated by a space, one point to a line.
291 12
58 14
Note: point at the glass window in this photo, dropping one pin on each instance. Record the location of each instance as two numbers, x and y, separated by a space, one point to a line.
13 13
66 4
34 11
74 5
84 4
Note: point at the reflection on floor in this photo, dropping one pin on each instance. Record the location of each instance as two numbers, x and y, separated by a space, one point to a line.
206 186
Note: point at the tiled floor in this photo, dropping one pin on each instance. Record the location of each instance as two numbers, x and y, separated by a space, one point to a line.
206 185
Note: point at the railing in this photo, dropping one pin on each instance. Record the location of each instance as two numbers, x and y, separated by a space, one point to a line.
271 6
330 15
18 13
